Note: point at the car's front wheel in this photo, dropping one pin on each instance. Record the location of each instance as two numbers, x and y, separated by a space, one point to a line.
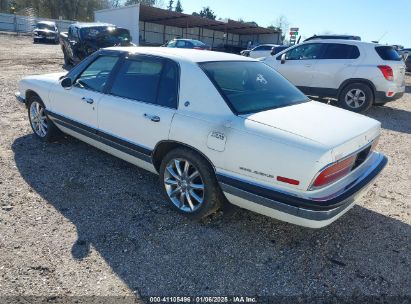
356 97
189 183
41 125
67 61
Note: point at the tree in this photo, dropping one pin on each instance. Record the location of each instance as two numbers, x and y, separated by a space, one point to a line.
179 7
206 12
282 25
170 5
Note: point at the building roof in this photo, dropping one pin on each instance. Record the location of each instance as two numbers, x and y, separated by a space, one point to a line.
183 54
172 18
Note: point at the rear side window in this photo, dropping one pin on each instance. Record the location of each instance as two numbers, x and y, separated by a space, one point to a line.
388 53
138 79
341 51
168 89
151 80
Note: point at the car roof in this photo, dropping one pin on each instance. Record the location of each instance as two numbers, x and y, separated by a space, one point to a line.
186 39
329 36
342 41
92 24
178 54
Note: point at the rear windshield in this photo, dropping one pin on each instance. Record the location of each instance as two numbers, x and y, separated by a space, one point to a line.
388 53
250 87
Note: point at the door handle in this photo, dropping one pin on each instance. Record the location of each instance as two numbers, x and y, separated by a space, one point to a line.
154 118
88 100
308 65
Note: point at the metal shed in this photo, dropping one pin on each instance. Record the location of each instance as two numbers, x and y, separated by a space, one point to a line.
154 26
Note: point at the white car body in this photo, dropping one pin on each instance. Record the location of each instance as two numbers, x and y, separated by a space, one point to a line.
247 152
327 77
262 51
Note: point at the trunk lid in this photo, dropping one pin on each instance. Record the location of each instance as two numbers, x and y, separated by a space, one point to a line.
342 131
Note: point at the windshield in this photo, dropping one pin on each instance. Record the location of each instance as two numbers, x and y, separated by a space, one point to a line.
43 26
112 34
250 87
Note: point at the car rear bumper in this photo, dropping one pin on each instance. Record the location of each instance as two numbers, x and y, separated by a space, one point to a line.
381 97
308 212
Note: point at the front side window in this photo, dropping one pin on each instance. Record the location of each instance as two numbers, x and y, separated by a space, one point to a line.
340 51
304 52
250 87
95 76
146 79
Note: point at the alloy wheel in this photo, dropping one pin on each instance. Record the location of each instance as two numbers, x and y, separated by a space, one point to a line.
184 185
355 98
38 119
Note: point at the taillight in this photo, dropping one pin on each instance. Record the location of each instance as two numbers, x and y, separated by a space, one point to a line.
334 172
387 72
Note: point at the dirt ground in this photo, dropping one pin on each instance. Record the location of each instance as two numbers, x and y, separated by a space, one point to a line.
76 222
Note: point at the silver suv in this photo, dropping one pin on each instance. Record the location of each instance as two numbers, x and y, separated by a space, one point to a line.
357 74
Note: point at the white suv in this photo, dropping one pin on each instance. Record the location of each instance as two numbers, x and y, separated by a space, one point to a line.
358 74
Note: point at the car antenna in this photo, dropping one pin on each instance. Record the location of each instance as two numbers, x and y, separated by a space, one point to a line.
383 35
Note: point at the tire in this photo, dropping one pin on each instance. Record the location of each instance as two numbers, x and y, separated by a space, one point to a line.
193 202
356 97
35 40
43 128
381 104
67 61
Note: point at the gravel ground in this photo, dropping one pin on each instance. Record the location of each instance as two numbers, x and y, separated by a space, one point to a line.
75 221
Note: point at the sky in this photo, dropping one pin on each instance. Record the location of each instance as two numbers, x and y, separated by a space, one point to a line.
387 20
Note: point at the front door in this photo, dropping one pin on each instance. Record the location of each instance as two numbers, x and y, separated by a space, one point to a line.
299 67
79 103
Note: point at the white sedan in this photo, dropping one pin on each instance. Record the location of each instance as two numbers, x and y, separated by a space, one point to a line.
261 51
214 126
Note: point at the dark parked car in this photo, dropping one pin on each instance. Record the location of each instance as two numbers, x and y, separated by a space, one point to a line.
278 49
187 44
83 39
45 31
342 37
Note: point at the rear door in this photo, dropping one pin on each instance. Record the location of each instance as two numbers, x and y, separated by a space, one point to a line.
338 62
141 102
299 67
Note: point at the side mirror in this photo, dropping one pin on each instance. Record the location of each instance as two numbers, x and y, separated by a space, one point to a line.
283 58
66 83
